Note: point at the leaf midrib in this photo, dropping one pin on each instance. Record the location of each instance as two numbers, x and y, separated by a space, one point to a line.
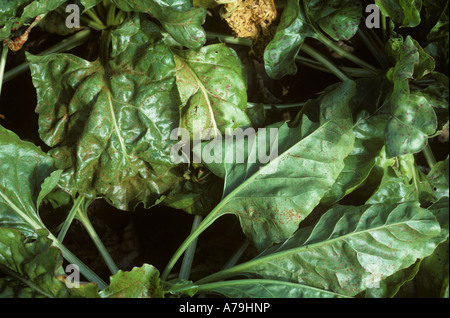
292 251
202 89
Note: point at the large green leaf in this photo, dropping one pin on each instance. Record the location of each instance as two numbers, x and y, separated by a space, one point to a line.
23 167
339 19
265 288
369 140
28 176
300 20
413 118
110 120
34 269
433 277
280 53
178 17
271 199
406 13
349 249
213 89
140 282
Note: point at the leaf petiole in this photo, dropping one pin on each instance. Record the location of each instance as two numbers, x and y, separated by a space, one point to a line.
84 219
429 156
325 62
190 252
92 24
72 213
91 13
111 15
72 259
349 56
3 64
373 48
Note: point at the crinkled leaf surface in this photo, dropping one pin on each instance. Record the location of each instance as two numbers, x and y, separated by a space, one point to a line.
23 168
34 269
213 89
406 13
300 20
413 118
178 17
280 53
272 199
140 282
339 19
394 187
349 249
110 121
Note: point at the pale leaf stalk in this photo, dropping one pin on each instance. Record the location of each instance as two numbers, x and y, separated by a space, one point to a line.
349 56
3 64
72 259
84 219
429 157
325 62
190 252
73 211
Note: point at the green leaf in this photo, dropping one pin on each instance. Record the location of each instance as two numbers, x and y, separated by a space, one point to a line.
339 19
349 249
280 53
24 167
438 179
369 141
390 286
265 288
55 22
433 277
109 121
272 199
413 118
178 17
437 92
140 282
300 20
213 90
179 288
394 188
195 196
406 13
34 269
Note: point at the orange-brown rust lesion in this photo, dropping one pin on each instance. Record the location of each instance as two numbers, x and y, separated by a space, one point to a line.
16 44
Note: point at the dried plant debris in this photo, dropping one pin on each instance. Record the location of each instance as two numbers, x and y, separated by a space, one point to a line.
248 18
